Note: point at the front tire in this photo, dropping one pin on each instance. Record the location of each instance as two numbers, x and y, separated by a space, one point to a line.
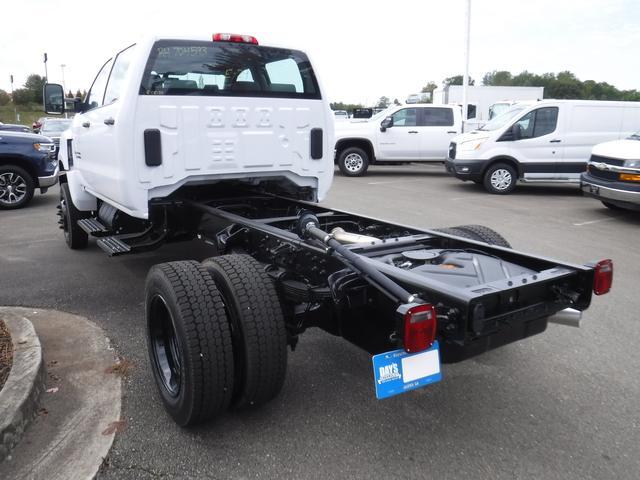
16 187
74 236
257 326
189 342
353 162
500 179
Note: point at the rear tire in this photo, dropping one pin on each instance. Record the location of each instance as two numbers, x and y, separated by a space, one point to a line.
500 179
16 187
189 342
478 233
353 162
74 236
257 326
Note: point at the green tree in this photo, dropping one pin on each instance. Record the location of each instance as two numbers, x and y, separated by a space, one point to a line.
349 107
35 83
79 94
69 94
383 102
497 78
429 87
5 98
457 80
396 102
22 96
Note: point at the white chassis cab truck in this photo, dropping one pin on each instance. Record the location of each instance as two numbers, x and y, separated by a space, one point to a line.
222 139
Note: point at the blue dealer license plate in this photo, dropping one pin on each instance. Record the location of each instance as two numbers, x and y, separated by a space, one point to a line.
398 371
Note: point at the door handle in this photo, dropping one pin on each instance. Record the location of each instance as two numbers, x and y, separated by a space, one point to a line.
109 121
555 141
86 124
452 131
413 131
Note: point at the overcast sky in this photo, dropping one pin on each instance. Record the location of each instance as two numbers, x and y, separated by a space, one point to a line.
360 49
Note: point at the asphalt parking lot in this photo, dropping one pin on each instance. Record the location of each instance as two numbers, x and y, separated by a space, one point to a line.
564 404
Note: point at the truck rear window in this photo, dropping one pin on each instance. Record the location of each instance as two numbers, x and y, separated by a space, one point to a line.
227 69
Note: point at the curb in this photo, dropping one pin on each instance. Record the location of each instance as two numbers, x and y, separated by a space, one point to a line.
20 395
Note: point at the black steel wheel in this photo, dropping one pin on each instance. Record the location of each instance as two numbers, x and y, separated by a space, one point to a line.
74 236
189 342
257 325
16 187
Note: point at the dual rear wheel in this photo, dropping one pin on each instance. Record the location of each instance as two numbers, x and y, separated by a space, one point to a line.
216 336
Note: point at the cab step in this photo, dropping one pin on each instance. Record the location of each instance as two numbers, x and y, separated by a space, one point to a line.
93 227
113 246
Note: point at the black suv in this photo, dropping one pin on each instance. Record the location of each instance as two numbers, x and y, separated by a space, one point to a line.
27 162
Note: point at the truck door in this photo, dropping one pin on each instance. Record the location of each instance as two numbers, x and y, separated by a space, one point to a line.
539 146
402 140
437 128
97 139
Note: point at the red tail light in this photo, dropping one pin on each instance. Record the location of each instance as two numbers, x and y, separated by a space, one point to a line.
603 277
420 325
234 37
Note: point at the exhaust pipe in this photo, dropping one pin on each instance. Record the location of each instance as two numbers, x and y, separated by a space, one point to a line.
346 237
569 316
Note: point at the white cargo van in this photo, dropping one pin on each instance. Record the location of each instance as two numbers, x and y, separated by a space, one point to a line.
545 141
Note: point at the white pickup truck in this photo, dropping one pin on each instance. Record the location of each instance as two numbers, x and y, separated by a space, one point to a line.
406 133
228 141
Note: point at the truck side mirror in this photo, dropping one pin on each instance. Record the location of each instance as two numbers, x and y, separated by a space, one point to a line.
53 96
386 123
516 131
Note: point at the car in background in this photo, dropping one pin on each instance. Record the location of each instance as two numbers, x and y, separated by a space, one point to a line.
27 161
397 135
613 174
341 115
10 127
53 128
543 141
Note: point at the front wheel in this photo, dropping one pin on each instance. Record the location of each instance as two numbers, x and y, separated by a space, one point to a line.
16 187
353 162
74 236
500 179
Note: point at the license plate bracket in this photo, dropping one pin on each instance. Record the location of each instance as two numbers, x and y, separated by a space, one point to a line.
397 371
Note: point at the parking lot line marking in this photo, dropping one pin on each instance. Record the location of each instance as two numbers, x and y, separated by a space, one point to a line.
395 181
596 221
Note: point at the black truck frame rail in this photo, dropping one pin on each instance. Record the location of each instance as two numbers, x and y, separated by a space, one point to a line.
347 290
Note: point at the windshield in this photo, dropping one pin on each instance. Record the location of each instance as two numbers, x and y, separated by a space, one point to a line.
501 120
58 126
177 67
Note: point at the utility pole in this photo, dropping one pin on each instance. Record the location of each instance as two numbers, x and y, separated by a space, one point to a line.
46 75
465 79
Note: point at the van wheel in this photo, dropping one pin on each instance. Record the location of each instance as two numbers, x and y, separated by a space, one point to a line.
257 328
74 236
353 162
189 342
500 179
16 187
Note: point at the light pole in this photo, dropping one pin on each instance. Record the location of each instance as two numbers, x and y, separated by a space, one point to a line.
465 79
64 85
15 109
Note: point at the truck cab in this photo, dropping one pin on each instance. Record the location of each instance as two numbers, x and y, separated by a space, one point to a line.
168 112
406 133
